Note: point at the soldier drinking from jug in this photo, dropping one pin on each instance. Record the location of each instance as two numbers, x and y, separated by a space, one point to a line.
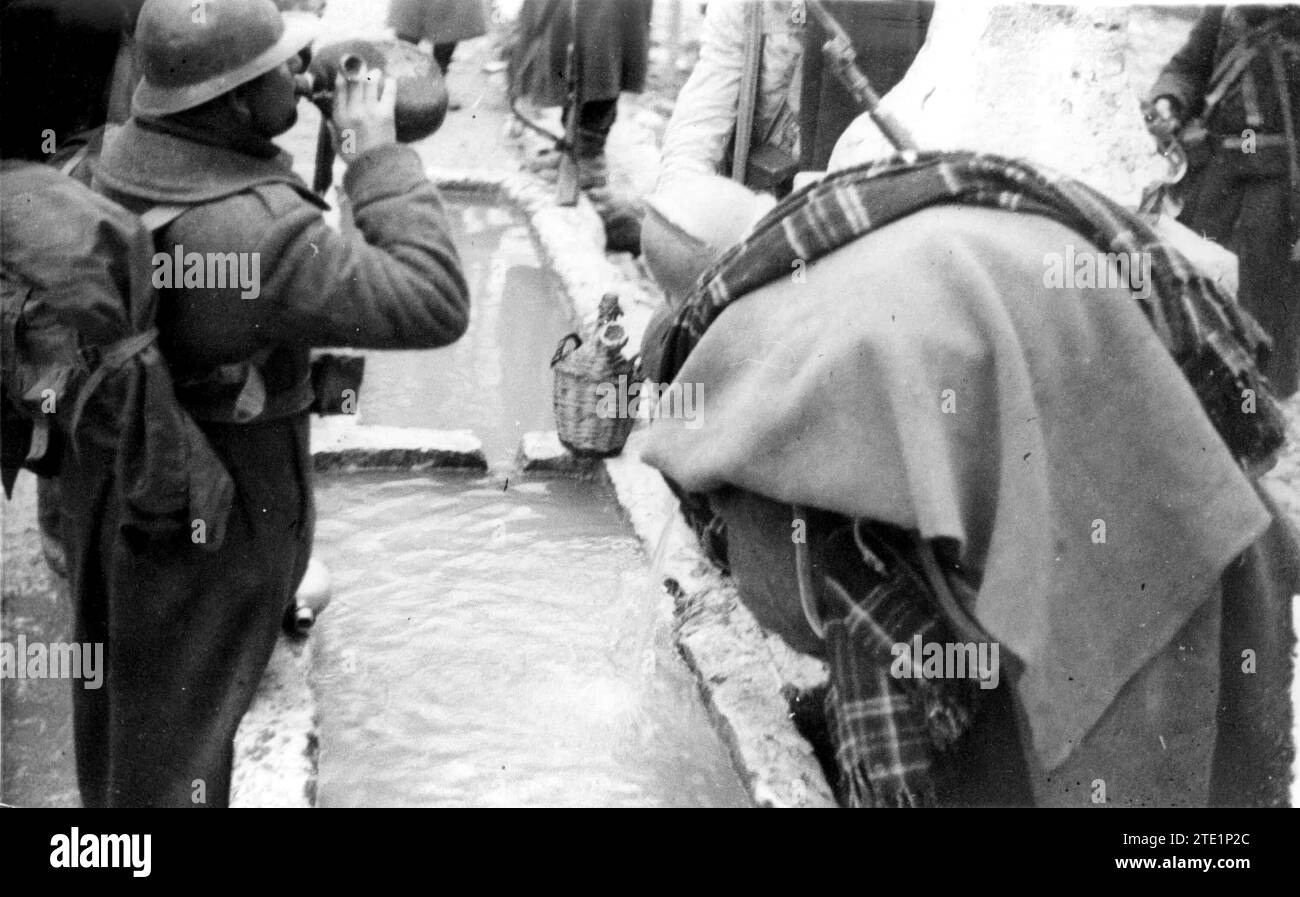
189 631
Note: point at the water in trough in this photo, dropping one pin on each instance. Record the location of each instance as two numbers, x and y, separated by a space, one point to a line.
497 641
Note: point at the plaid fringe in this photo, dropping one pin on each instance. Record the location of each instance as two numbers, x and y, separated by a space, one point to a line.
881 746
887 731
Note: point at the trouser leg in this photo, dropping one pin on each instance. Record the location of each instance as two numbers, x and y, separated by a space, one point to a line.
620 214
1254 755
442 54
595 120
1270 281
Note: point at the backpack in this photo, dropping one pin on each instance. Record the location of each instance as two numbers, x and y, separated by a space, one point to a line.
79 361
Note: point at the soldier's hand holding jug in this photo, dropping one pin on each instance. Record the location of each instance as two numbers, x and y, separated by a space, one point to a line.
365 104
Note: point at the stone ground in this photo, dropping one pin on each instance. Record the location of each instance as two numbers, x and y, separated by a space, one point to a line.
36 762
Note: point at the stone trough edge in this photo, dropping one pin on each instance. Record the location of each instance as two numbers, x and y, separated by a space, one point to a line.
743 673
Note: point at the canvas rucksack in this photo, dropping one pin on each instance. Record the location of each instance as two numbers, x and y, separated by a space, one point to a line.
80 363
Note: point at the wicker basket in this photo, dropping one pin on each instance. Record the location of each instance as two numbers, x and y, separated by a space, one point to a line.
579 371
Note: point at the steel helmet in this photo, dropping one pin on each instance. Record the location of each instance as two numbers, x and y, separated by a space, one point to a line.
192 51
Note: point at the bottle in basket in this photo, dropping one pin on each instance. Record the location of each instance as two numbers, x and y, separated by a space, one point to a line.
581 370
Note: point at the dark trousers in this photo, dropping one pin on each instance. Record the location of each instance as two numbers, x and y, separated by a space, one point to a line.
595 120
442 54
1243 203
1254 753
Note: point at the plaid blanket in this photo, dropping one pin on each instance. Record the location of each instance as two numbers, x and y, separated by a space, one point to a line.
887 731
1212 339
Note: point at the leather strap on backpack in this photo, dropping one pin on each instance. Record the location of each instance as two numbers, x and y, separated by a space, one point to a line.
252 401
110 358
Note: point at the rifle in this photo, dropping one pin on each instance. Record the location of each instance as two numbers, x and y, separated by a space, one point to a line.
749 75
567 180
842 59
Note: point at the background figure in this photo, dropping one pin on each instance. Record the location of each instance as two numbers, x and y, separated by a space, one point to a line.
800 108
613 56
444 23
700 135
1239 74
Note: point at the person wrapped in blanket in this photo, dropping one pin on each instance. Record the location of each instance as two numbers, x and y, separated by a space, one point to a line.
1014 510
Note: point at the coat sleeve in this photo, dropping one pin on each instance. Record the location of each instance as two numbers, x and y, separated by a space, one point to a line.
1187 76
706 108
397 284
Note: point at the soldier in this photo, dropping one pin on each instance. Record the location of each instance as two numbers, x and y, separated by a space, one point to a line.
1239 75
799 107
612 50
188 628
704 117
